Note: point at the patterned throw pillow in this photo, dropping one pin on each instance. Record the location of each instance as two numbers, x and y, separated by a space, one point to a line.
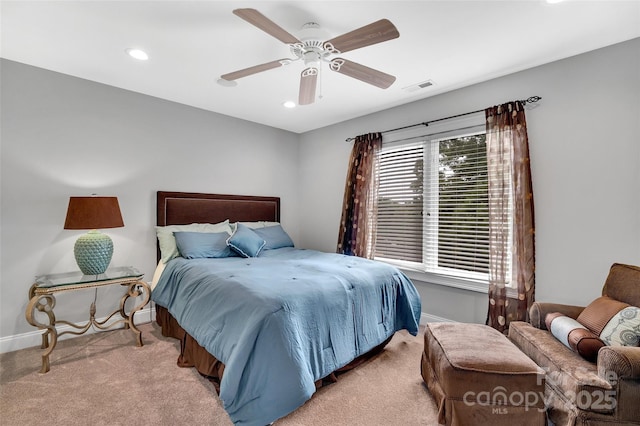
623 329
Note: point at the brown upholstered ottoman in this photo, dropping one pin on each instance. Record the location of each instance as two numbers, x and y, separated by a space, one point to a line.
478 377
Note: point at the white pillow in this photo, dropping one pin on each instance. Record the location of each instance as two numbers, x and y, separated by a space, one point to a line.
167 241
259 224
156 275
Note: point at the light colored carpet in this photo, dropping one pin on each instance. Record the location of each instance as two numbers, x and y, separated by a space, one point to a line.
104 379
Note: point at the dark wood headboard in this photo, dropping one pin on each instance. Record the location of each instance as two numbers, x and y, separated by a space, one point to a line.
183 208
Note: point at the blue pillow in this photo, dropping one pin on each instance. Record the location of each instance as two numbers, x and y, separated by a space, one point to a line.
275 236
197 245
245 242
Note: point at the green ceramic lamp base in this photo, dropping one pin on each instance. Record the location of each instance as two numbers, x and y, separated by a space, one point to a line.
93 252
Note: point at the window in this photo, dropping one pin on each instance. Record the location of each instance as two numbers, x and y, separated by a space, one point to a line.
433 206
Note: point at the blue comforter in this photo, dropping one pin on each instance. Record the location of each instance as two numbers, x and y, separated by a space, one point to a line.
283 320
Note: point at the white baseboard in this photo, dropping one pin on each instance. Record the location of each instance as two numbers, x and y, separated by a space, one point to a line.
425 318
34 338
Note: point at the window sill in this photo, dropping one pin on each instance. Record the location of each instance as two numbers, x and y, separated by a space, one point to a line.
465 284
478 286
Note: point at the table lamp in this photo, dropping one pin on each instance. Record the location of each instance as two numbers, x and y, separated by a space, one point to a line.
94 249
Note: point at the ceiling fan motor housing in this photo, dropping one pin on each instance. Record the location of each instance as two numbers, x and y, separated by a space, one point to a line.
312 57
311 31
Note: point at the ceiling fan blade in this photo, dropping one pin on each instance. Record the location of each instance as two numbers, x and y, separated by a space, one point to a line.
257 19
373 33
362 73
308 82
254 70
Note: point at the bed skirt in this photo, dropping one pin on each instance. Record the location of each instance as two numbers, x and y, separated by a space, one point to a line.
194 355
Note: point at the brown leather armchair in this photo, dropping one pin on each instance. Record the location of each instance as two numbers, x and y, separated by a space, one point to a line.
579 392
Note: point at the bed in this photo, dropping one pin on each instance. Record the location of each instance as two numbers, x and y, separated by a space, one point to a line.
269 329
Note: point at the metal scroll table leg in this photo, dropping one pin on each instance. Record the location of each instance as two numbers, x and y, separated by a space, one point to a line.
44 303
135 289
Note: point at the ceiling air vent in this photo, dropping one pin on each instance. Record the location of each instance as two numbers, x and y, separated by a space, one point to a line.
419 86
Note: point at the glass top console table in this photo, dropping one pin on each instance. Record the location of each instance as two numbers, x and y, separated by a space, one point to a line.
42 299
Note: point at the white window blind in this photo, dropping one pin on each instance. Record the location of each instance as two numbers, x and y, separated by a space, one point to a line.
400 204
458 205
433 204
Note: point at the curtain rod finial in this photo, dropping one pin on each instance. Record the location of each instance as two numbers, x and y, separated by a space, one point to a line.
531 99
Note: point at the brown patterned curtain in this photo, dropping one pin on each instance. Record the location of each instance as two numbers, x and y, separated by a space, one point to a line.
360 206
508 161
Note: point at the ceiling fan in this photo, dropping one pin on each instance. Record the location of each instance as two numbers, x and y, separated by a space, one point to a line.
313 52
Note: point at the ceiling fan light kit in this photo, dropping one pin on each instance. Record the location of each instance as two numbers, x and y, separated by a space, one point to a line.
313 52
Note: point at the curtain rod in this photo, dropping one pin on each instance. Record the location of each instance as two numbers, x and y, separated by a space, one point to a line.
529 100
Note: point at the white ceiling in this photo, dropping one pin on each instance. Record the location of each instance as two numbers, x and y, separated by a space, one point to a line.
191 43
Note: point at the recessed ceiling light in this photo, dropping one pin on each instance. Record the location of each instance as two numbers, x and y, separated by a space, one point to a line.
137 54
289 104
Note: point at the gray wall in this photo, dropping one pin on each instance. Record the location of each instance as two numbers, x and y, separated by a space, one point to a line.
64 136
585 159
